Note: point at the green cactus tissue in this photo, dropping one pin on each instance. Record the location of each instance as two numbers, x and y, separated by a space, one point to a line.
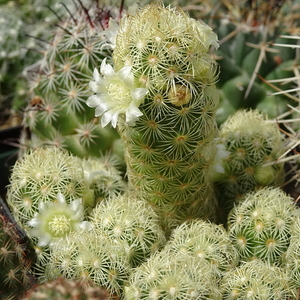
260 226
162 98
249 147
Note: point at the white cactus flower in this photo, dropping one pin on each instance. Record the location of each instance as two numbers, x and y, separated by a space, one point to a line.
56 219
116 93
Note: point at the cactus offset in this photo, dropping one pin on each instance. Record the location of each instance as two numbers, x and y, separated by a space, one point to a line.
204 240
131 222
251 145
260 225
64 289
39 176
88 256
257 280
103 176
174 276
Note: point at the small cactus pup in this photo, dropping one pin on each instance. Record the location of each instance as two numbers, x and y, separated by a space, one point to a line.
174 276
260 225
39 176
87 255
133 223
48 196
103 176
248 147
292 256
162 98
204 240
65 289
257 280
57 113
16 259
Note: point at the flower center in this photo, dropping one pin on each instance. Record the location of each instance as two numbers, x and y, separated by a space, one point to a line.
119 94
59 225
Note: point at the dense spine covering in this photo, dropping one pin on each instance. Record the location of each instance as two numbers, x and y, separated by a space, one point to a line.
102 175
64 289
133 223
168 136
174 276
16 259
39 176
88 255
204 240
292 255
48 196
57 113
249 147
257 280
260 225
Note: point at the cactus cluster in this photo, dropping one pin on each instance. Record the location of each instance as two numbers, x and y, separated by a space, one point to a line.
152 80
88 255
173 277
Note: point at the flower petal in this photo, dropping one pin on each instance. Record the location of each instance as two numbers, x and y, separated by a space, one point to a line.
133 113
93 101
44 240
96 75
75 205
61 198
100 109
93 86
126 76
106 118
139 93
35 222
114 119
107 69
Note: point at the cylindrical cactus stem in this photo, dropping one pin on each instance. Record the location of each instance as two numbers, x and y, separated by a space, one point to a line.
162 97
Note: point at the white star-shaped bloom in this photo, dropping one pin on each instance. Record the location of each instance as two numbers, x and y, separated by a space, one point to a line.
56 219
115 93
